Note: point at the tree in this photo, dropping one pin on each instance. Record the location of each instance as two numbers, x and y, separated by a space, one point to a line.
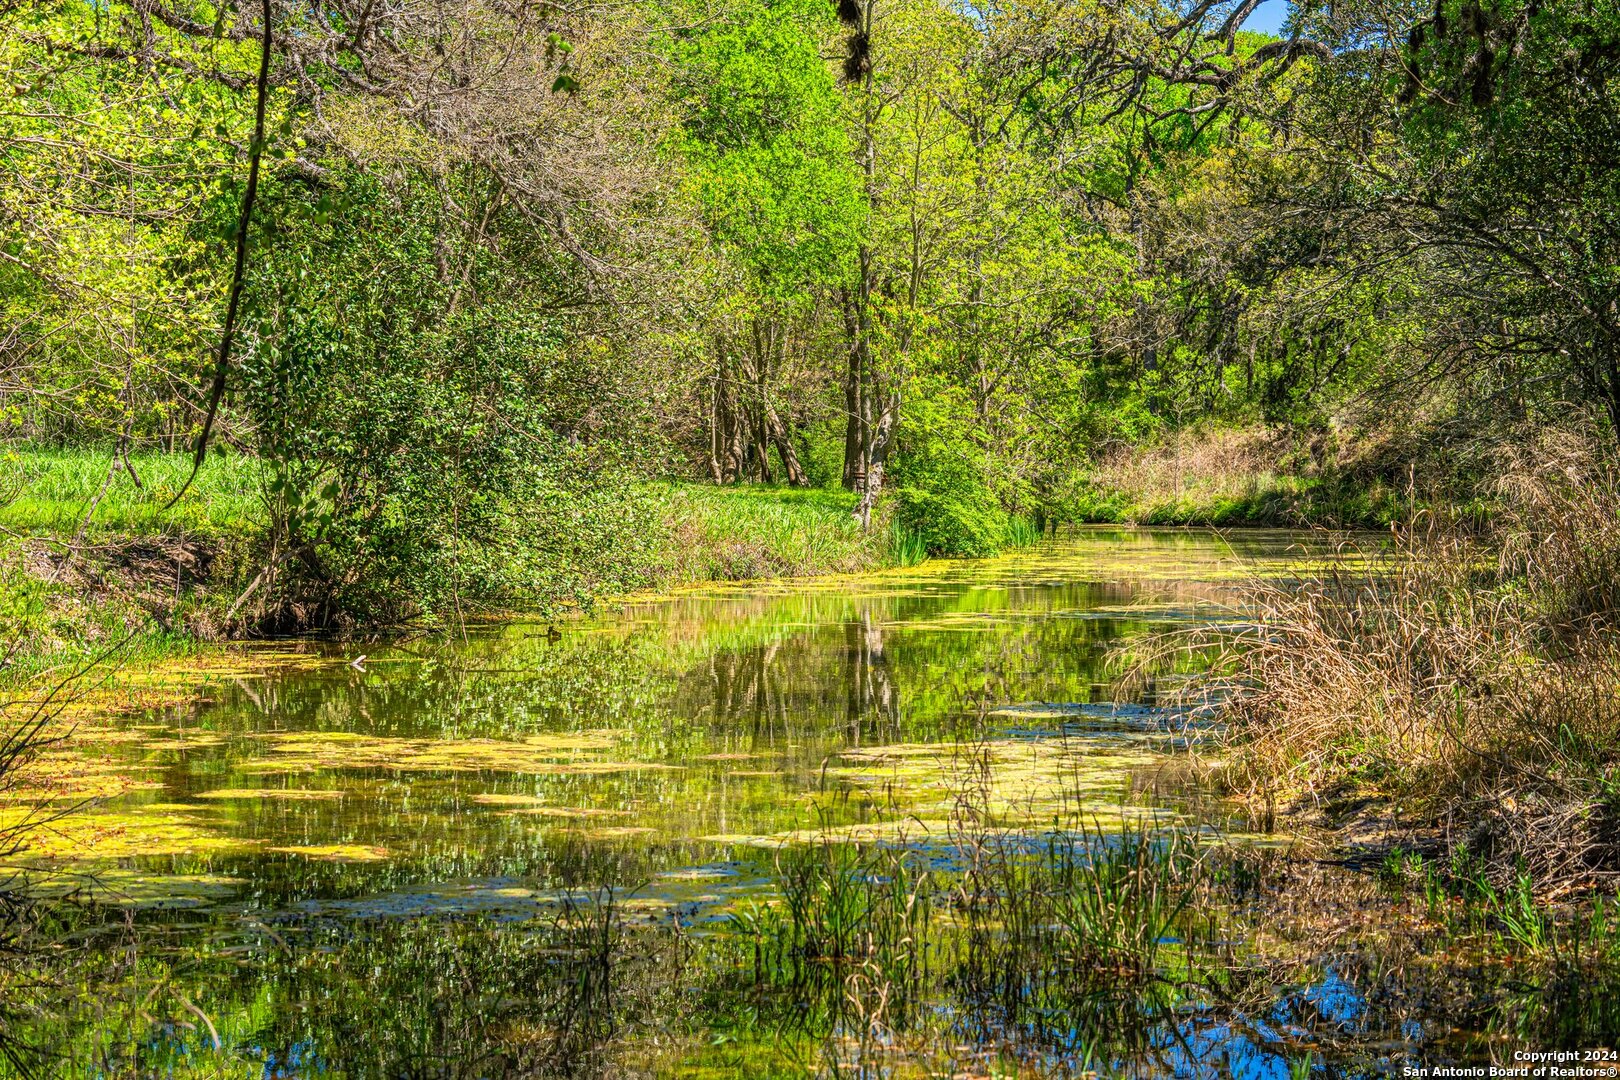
773 182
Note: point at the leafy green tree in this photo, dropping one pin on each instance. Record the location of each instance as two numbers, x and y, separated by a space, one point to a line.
773 182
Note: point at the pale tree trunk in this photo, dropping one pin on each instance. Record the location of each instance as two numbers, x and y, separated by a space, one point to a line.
736 446
791 467
875 455
871 698
714 433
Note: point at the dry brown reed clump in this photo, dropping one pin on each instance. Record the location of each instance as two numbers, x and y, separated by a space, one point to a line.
1467 677
1204 463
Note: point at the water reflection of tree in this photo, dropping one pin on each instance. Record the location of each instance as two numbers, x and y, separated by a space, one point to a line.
871 695
747 691
782 695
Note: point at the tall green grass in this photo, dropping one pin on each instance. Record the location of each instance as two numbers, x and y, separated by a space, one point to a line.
1021 532
1084 899
54 493
757 531
906 547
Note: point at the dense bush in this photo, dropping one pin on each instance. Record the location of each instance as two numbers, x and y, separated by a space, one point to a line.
431 442
942 488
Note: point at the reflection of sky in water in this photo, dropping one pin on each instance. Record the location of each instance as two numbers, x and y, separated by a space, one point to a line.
1336 1000
1255 1049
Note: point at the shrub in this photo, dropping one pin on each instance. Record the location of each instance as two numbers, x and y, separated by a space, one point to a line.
424 449
942 489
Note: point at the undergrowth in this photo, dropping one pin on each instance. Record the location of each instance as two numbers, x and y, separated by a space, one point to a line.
1467 679
1232 476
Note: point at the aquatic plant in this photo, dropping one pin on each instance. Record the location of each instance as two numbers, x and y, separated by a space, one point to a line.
1120 898
1462 677
27 715
906 548
1022 532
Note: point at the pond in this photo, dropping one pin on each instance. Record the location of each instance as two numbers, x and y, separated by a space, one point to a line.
726 832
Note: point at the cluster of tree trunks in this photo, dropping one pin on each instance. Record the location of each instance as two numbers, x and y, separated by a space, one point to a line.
744 426
746 430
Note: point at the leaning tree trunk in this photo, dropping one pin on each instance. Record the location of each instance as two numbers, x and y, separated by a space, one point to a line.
791 467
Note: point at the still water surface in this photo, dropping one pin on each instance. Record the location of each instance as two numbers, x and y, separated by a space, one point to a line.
664 734
276 837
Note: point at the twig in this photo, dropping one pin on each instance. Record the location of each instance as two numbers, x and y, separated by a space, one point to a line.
227 337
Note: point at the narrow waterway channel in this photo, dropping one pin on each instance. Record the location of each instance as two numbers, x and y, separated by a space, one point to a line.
570 848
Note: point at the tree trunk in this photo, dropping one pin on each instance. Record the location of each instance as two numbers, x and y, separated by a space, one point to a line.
759 442
854 435
759 423
875 456
729 418
714 433
791 467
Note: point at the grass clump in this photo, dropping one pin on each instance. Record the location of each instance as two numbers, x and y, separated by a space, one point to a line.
757 531
1468 679
1035 948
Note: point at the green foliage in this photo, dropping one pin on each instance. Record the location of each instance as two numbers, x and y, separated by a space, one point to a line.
473 330
821 448
116 179
422 447
771 163
942 488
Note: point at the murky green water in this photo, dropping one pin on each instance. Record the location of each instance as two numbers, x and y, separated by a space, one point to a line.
660 735
281 835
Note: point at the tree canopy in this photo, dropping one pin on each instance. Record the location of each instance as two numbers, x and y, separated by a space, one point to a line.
509 255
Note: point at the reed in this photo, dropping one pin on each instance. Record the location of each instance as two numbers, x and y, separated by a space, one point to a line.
906 548
1021 532
1461 679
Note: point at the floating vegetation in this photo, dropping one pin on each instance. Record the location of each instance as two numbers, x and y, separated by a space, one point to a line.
1025 779
154 829
570 812
611 832
768 832
541 754
270 793
184 741
335 852
500 798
